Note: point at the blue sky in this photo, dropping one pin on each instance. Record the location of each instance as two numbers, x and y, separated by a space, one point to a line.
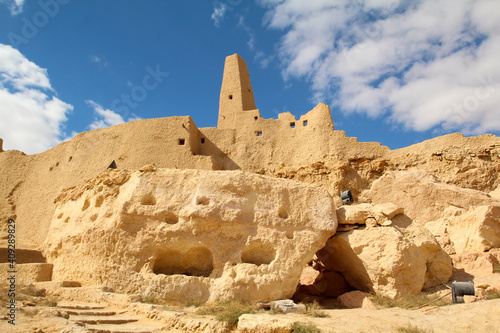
396 72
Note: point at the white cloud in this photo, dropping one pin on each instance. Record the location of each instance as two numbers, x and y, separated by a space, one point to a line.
219 13
251 36
32 118
106 117
98 60
15 6
425 65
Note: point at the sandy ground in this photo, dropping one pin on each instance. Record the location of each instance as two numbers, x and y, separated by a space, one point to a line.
481 316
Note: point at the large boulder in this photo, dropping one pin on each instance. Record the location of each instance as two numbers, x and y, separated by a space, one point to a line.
495 194
391 261
363 212
482 263
186 235
423 198
476 229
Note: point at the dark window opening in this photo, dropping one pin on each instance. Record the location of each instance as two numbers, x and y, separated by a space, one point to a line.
182 142
202 140
256 118
305 122
292 125
230 96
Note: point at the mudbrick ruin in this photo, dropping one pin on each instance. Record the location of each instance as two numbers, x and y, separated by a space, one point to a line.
248 210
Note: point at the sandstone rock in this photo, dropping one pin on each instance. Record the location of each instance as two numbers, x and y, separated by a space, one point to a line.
390 261
354 214
264 323
361 213
469 298
476 263
422 197
476 229
467 162
495 194
440 231
308 276
356 299
389 210
331 284
27 273
187 235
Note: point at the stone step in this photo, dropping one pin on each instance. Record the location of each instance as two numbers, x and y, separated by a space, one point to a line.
80 306
115 329
90 313
27 273
23 256
97 320
88 294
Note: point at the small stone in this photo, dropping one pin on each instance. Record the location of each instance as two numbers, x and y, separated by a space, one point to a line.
469 299
371 222
285 306
355 299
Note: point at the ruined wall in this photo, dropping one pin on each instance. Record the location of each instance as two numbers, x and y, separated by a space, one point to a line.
30 183
251 142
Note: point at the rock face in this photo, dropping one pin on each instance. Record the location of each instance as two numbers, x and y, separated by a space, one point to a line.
424 198
391 261
356 299
360 214
476 229
186 235
477 263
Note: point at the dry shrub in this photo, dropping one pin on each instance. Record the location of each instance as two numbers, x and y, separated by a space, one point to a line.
228 311
409 301
314 310
150 300
412 329
305 328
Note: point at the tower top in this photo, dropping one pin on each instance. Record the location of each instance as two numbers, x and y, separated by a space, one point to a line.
236 93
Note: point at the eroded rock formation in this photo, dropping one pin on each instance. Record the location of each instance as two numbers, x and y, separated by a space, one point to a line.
189 235
386 254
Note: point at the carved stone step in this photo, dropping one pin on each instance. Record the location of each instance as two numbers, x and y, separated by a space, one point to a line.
90 313
80 306
115 329
97 320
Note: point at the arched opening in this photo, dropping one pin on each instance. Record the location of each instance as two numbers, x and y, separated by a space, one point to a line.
197 261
